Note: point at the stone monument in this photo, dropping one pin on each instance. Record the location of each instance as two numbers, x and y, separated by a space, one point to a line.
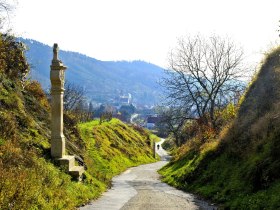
67 162
57 91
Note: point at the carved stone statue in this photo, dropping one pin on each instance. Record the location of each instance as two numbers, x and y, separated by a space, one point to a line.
55 51
55 60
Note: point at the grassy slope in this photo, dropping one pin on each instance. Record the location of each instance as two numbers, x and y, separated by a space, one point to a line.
240 170
28 177
114 146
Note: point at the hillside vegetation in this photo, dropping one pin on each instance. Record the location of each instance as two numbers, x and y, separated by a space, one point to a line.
114 146
29 179
239 169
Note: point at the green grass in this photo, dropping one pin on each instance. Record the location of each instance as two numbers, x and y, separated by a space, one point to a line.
112 147
224 180
29 181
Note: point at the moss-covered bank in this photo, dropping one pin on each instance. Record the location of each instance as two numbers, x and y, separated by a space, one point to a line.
240 169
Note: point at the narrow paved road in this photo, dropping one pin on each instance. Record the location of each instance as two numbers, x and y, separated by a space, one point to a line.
140 188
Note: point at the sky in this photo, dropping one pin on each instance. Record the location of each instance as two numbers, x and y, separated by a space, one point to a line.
145 29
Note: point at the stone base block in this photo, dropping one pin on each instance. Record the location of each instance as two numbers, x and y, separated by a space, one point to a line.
77 172
58 146
67 163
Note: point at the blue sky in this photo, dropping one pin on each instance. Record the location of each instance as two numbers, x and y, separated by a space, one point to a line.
145 29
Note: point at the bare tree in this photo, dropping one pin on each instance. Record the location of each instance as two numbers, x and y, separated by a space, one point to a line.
6 7
279 28
203 76
73 96
173 121
76 102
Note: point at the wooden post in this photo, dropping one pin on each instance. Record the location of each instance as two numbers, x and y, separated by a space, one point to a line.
155 153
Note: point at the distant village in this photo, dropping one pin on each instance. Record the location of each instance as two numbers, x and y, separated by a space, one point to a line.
124 108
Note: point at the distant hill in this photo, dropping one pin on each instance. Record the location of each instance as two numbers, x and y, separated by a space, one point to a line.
103 80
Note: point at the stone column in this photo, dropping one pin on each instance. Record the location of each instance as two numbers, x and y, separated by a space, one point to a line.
57 91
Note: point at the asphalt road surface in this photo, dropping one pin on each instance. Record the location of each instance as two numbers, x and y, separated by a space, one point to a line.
140 188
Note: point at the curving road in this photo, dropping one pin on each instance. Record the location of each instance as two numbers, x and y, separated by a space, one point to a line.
140 188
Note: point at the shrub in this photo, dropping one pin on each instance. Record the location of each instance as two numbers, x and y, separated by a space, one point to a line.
12 59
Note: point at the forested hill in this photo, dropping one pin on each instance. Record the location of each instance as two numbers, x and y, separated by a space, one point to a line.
103 80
